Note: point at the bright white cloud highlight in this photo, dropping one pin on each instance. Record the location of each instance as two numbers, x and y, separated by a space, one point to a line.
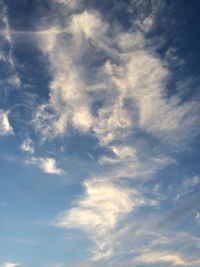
5 127
87 23
10 264
47 165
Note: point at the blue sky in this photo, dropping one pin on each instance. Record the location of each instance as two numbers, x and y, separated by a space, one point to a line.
99 133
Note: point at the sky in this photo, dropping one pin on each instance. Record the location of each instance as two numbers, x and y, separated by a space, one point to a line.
99 133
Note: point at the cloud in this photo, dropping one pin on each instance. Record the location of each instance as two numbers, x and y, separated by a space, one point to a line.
6 33
135 167
71 4
50 122
129 69
142 77
120 154
58 265
160 257
189 187
83 120
27 146
6 55
47 165
97 213
111 84
129 41
186 202
130 83
197 218
126 91
10 264
68 88
100 210
191 182
102 203
66 95
5 127
87 25
157 247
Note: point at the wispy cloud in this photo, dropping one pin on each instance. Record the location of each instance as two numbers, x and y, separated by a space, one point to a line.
136 73
99 211
27 146
71 4
7 35
111 84
190 186
160 257
6 55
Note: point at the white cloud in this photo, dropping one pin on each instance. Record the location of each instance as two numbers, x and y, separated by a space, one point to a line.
122 154
50 122
139 76
102 204
106 203
69 103
47 165
197 218
136 168
191 182
87 24
160 257
100 210
71 4
97 213
82 119
6 31
5 127
112 123
60 124
6 55
27 146
10 264
69 96
142 77
110 83
130 41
